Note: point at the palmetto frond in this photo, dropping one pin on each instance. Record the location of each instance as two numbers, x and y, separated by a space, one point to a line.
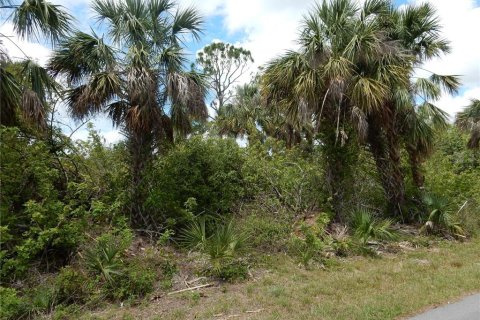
187 92
36 18
80 56
419 29
26 91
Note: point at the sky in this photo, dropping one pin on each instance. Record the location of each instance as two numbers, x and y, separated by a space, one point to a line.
269 27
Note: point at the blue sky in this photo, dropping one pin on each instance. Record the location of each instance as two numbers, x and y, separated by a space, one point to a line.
268 27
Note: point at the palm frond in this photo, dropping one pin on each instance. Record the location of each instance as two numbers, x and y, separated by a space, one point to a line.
10 97
80 56
449 83
187 21
36 18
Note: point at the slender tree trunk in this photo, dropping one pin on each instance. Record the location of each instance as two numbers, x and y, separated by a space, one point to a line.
140 149
386 152
339 161
415 167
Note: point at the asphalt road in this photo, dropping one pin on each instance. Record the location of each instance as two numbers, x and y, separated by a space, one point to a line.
466 309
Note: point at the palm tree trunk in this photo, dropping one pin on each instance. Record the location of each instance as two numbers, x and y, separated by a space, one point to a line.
140 149
415 167
339 163
386 152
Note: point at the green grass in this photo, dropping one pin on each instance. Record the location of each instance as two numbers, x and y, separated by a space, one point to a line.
390 287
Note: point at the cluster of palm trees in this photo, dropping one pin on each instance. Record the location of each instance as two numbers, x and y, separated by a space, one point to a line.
352 82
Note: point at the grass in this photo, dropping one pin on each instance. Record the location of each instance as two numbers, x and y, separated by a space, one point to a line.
391 287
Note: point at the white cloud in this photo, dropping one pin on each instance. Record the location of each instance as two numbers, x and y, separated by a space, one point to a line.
17 48
452 105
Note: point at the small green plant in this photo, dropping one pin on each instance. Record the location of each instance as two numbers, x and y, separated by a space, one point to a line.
223 243
104 260
366 226
42 299
309 245
440 218
195 235
134 283
165 237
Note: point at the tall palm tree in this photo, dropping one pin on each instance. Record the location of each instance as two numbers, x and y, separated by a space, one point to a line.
340 76
469 120
135 75
413 117
25 86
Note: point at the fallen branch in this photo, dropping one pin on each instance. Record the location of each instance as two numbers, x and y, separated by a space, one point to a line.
192 288
254 311
196 280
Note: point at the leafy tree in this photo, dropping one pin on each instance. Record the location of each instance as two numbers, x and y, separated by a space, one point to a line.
136 76
224 64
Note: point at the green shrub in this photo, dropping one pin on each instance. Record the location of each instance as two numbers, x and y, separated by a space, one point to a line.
307 246
134 283
206 170
230 270
469 217
72 286
11 306
104 257
271 232
42 299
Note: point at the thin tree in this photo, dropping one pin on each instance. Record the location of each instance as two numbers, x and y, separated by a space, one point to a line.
224 64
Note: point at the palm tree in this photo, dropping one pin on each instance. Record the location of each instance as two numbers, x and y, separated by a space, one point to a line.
469 120
26 87
136 76
340 77
413 118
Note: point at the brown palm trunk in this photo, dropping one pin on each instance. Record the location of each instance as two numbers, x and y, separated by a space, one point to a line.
140 149
339 162
385 149
415 167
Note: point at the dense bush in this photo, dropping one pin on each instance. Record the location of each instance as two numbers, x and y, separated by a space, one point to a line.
207 171
452 171
40 216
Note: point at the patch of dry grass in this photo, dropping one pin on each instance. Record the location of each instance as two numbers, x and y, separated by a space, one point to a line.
358 288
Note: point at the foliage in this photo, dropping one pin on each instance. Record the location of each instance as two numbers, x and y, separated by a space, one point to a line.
11 305
451 171
366 226
40 211
27 87
469 120
439 216
207 171
72 286
222 241
104 258
133 284
288 175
